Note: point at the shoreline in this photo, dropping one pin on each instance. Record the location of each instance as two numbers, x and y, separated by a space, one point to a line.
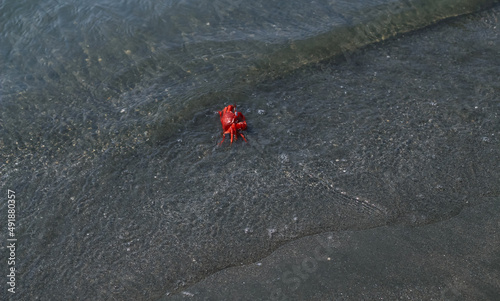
422 262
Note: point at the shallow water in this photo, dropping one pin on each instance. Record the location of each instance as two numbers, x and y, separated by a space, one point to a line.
453 259
109 125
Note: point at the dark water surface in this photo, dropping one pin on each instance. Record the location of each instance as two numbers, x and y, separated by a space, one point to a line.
109 129
426 166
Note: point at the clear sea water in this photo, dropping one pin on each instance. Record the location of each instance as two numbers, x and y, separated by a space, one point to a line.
109 132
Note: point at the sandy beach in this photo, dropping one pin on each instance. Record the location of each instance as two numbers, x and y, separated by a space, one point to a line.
455 258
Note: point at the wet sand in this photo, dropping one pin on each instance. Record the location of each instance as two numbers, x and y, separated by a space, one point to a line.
454 258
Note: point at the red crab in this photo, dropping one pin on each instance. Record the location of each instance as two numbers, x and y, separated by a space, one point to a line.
232 123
